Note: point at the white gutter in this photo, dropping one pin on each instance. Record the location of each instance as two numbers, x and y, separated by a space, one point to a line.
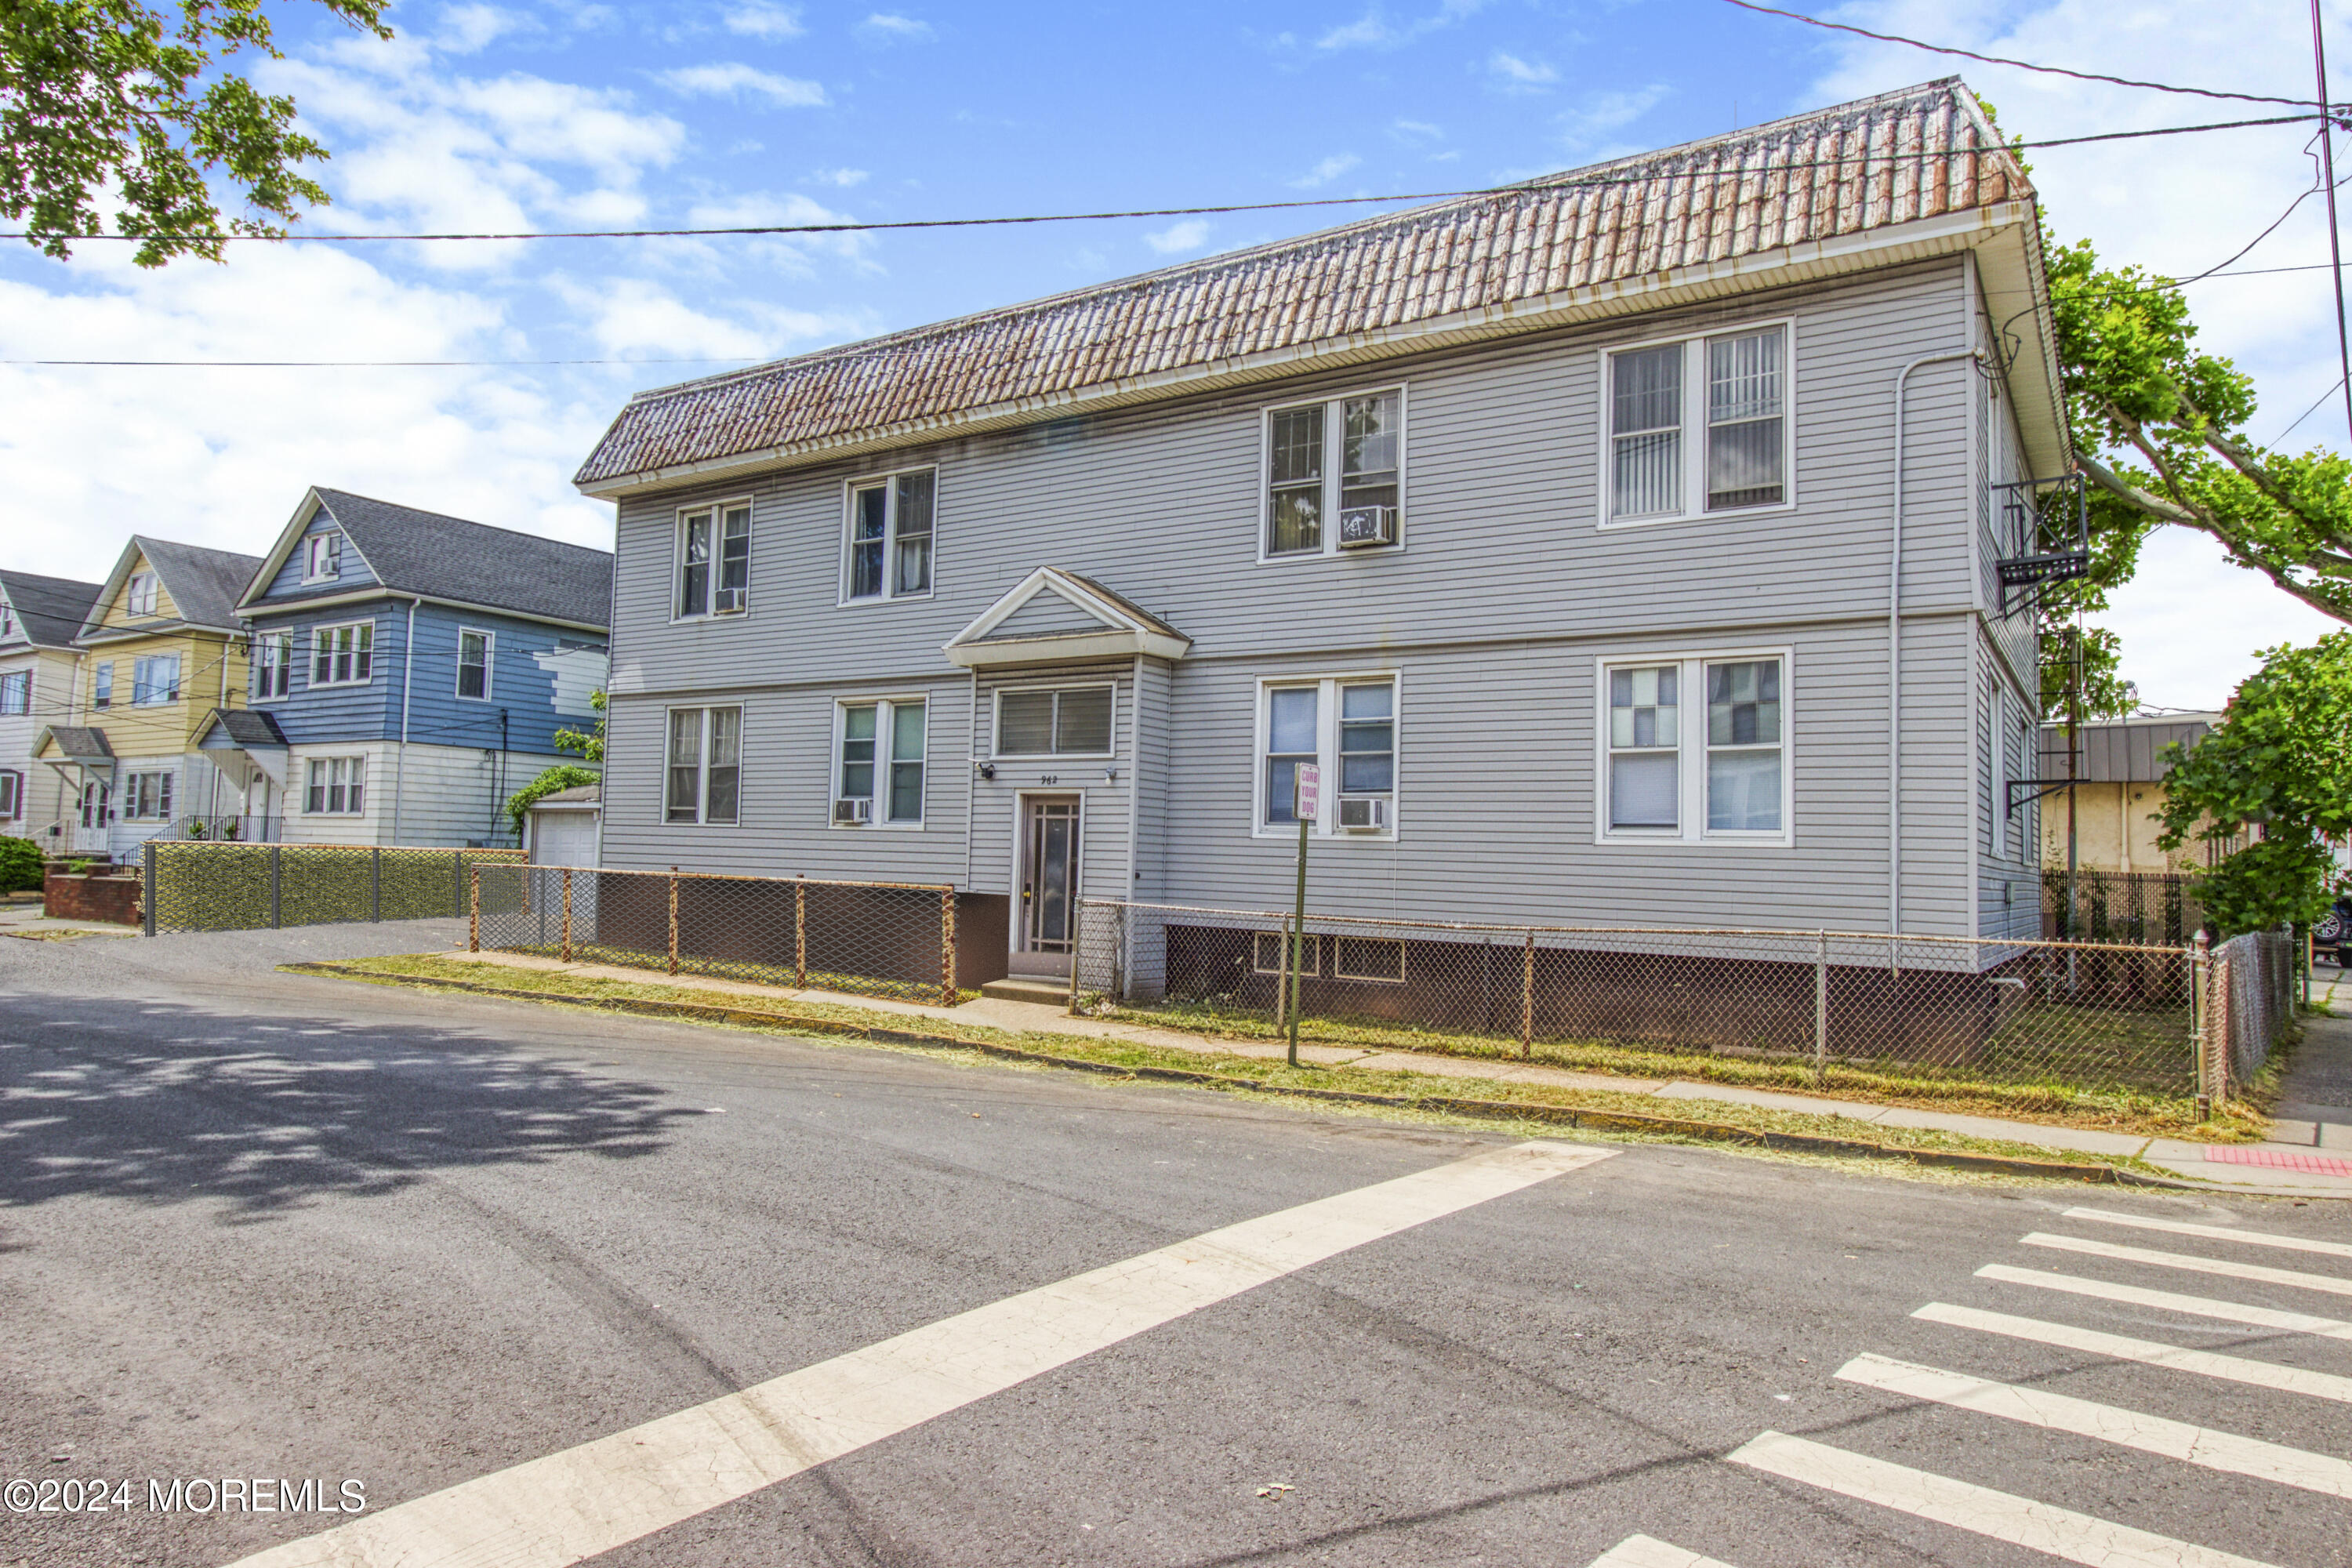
400 761
1895 649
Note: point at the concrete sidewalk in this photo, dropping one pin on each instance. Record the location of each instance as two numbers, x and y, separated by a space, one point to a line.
2300 1177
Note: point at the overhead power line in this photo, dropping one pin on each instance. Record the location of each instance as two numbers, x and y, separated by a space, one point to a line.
2021 65
1787 166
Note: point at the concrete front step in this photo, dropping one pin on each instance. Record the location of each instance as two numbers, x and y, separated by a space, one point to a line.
1029 988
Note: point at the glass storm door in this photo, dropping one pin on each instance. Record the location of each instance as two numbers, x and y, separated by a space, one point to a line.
1049 875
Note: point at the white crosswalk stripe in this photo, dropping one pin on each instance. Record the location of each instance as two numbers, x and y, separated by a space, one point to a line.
2215 1232
2171 1301
2120 1347
1641 1551
2255 1271
2125 1428
1998 1515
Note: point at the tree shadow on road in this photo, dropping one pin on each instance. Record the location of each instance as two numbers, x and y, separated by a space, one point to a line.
169 1104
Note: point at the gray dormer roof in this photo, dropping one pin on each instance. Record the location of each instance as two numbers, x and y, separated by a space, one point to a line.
1897 177
202 584
49 610
441 557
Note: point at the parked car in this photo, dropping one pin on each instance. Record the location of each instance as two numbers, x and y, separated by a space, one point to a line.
2329 937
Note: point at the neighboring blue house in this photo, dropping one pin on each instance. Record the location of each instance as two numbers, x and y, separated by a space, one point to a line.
409 672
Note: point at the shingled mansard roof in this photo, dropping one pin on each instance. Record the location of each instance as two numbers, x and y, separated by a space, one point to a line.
450 559
1897 177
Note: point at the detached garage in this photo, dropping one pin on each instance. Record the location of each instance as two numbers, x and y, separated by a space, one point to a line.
563 826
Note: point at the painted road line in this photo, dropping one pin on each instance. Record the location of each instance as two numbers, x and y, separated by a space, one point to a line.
572 1505
2225 1451
2196 1306
2205 1364
1643 1551
2268 1276
2216 1232
2001 1516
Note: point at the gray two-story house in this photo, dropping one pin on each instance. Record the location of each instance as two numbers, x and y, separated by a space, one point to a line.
1622 547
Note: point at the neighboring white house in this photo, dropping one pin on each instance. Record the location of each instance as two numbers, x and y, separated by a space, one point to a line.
39 617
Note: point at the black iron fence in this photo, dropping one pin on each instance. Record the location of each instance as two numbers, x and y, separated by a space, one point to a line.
211 885
2145 909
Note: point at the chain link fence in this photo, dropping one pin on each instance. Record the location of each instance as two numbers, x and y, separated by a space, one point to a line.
210 885
2251 999
877 939
2100 1016
2149 909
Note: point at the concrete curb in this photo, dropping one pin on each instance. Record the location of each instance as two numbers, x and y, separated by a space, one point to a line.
1490 1110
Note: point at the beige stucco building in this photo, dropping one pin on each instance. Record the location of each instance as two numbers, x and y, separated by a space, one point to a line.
2119 800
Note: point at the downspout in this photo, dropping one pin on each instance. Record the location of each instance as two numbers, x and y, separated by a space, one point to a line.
400 758
1894 648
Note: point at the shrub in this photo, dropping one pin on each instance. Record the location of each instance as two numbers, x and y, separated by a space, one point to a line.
20 864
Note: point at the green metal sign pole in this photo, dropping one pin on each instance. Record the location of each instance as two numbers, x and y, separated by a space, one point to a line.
1305 804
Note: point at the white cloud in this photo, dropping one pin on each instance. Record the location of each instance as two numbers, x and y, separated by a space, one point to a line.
772 23
1327 171
895 28
1374 30
468 30
733 78
1190 234
844 178
1517 74
1602 112
1416 133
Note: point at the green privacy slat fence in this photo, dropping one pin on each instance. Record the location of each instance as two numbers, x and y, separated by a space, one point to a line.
206 885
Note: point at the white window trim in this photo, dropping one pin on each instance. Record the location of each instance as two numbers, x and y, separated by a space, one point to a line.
996 723
489 665
12 784
8 679
1694 425
702 767
1691 776
849 490
320 633
316 546
880 822
131 595
285 641
1327 755
718 511
1331 476
130 813
1310 952
179 679
302 786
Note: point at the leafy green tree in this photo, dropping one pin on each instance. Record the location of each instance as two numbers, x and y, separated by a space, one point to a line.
580 741
562 775
125 103
2281 760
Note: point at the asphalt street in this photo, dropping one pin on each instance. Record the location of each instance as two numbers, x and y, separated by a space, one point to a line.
265 1226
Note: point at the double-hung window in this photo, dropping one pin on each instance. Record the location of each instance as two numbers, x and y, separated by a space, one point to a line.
12 794
1074 722
474 649
139 597
1346 726
880 772
273 665
891 524
1694 749
338 787
705 768
1333 475
342 656
16 691
322 557
101 684
147 796
714 558
155 680
1700 426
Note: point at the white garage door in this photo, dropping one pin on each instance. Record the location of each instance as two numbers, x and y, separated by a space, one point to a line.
563 838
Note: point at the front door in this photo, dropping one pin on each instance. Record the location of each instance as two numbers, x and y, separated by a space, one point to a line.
97 810
1049 883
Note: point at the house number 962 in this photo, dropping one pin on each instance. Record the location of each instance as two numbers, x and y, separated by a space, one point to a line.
1049 778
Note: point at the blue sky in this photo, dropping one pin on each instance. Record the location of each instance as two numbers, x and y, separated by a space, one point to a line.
482 117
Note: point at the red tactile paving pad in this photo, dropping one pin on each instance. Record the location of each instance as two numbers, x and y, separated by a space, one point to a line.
2280 1159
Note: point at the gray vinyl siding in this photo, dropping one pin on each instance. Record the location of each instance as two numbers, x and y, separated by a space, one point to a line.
1493 612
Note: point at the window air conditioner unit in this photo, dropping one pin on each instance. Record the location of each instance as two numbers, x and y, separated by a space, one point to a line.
729 602
1366 527
854 812
1364 814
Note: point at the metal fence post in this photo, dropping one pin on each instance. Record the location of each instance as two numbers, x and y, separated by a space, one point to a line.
1821 1005
457 881
275 900
948 948
1077 950
1527 999
673 921
800 932
474 915
2200 1005
147 891
1282 978
375 882
567 914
